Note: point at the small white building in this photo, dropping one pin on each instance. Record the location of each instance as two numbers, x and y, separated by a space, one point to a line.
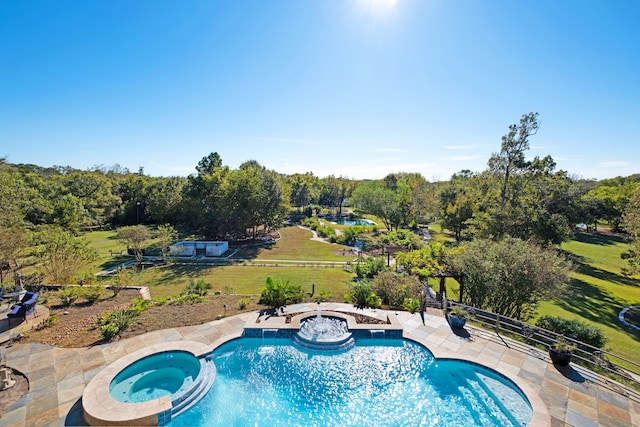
198 247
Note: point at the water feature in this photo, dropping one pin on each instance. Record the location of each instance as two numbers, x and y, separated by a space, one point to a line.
324 333
375 383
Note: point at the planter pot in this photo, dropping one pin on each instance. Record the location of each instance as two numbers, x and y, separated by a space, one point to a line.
560 358
457 322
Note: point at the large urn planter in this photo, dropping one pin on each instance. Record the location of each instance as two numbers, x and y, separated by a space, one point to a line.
457 317
560 352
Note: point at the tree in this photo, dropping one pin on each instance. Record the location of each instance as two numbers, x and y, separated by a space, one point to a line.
393 288
165 199
166 235
204 198
69 213
13 240
334 191
509 276
511 160
631 223
61 255
373 197
457 203
305 190
430 261
136 238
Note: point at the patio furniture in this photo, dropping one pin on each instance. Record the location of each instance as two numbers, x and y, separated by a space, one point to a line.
26 306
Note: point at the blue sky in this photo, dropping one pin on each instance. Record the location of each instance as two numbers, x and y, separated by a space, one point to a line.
358 88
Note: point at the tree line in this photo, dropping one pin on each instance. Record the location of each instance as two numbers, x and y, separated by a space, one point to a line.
527 199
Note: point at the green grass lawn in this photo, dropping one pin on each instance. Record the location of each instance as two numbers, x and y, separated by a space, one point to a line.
296 244
244 280
598 291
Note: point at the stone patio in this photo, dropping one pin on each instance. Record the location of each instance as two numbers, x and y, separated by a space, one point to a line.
570 396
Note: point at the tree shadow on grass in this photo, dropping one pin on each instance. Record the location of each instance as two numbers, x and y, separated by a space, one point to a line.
592 303
173 272
599 239
251 251
605 275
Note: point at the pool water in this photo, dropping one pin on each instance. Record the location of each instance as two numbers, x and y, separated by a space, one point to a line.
161 374
269 382
352 222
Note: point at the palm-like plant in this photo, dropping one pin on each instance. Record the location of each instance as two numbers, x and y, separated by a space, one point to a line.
199 287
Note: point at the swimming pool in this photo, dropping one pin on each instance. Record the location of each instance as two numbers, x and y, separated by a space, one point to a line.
377 383
352 222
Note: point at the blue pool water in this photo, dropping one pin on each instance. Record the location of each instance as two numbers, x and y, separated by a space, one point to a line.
161 374
269 382
352 222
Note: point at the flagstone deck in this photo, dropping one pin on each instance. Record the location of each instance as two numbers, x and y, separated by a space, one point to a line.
570 396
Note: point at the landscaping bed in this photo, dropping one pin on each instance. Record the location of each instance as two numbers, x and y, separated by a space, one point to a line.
78 327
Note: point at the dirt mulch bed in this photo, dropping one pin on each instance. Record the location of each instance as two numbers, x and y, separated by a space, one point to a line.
78 327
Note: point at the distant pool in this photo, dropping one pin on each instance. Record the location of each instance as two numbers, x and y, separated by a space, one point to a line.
360 221
270 382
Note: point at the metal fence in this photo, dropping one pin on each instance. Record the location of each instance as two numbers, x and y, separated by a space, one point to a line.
610 365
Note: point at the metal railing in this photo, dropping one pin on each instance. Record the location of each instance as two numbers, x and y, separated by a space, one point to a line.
609 365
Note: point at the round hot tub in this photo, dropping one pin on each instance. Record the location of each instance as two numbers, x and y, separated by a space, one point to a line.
170 373
149 386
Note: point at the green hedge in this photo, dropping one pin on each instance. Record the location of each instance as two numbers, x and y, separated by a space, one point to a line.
574 329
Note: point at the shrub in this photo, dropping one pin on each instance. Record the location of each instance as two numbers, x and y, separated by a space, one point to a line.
186 299
280 293
243 304
47 322
326 231
161 300
87 280
394 288
322 296
311 222
68 295
114 323
199 287
93 293
370 267
362 295
138 305
412 305
574 329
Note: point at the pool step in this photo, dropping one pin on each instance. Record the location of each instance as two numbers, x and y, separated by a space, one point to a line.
201 386
483 403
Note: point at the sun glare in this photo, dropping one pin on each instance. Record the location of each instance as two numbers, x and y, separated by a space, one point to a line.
378 7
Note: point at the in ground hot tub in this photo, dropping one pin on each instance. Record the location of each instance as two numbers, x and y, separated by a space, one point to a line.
150 386
170 373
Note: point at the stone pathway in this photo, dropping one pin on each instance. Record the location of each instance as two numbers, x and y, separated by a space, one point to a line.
567 397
